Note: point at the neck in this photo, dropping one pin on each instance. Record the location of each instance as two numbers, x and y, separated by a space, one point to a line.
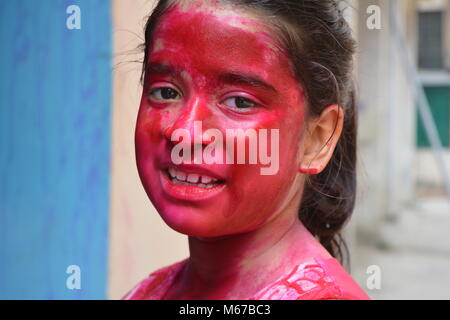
238 265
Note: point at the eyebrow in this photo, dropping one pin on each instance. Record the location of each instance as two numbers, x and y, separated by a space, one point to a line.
249 79
252 80
161 68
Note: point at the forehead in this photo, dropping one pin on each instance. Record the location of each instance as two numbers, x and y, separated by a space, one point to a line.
207 36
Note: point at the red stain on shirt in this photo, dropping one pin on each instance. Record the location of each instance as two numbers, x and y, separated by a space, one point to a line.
323 279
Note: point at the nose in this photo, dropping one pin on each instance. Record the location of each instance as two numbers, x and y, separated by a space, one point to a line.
190 119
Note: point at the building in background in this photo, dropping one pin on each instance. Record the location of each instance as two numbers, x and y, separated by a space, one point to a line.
433 58
403 210
397 163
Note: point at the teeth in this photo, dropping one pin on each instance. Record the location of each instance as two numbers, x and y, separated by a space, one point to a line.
191 178
200 185
172 172
180 175
206 179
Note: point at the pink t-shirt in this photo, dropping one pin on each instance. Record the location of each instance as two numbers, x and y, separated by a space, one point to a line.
323 279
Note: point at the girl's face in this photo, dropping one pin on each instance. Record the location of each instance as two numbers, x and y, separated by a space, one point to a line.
222 67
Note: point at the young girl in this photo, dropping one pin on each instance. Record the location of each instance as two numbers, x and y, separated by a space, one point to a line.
273 76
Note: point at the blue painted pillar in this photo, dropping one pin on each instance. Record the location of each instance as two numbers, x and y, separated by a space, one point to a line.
55 121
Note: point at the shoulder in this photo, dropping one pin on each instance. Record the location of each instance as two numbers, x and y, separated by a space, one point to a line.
321 279
348 288
154 286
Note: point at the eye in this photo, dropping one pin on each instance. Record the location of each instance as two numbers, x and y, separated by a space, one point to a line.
241 103
164 93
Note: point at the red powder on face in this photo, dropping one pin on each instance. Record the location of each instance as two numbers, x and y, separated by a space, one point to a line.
196 51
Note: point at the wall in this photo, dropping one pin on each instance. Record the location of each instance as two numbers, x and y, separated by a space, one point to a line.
140 241
55 89
387 121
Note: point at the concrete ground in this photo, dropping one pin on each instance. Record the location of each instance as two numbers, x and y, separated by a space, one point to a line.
413 255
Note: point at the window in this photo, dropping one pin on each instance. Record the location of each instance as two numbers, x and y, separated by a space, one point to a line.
439 99
431 44
432 21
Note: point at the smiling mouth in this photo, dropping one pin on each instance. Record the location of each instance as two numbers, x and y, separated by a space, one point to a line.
192 180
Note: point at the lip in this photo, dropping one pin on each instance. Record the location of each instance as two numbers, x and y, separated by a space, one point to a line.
188 193
214 171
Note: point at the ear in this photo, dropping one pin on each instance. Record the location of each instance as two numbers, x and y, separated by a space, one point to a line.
321 137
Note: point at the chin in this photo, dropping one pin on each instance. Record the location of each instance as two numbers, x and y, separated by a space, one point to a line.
190 220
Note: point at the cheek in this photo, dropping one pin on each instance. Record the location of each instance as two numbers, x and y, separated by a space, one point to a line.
148 138
149 126
255 197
